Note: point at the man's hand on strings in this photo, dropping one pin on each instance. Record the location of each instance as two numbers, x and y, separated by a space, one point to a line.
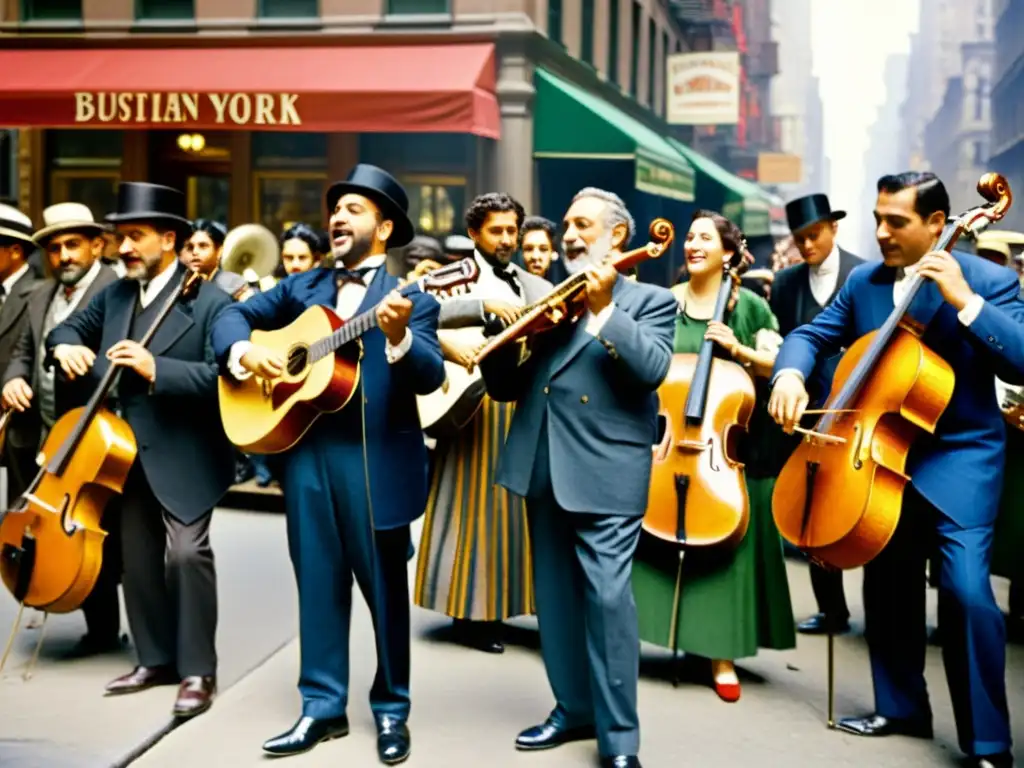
944 270
131 354
788 401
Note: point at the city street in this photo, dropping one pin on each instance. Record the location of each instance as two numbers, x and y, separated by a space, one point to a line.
467 706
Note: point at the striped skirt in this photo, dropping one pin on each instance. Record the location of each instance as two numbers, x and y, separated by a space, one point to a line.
474 557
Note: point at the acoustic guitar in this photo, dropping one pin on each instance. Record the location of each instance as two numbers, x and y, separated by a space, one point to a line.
322 356
450 407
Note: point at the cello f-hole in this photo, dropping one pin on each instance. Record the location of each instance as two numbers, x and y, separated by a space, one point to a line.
710 448
858 438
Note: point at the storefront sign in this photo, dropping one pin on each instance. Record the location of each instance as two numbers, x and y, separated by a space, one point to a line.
204 109
656 178
703 88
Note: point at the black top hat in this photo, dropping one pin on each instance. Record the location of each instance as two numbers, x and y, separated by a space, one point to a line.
808 210
383 189
140 201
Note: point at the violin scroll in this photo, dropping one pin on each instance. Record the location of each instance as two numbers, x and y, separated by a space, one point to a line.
662 234
996 189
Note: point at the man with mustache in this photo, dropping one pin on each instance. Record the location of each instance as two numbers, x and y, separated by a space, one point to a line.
357 479
474 554
72 243
167 393
579 451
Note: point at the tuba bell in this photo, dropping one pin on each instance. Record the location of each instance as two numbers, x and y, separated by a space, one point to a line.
252 251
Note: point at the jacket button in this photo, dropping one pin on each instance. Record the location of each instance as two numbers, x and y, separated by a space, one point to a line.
584 399
546 390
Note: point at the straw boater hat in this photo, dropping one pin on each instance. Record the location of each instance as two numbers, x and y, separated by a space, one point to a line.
67 217
15 225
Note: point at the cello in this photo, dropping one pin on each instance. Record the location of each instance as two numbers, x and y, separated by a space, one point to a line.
565 303
51 540
839 499
698 491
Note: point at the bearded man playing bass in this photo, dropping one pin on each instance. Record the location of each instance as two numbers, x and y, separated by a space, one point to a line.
579 451
975 322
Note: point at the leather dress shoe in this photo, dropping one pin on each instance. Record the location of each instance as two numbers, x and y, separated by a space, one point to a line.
480 635
1003 760
621 761
195 695
141 678
877 725
306 734
394 742
550 734
820 624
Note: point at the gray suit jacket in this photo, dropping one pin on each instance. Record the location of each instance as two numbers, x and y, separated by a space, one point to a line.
596 396
463 312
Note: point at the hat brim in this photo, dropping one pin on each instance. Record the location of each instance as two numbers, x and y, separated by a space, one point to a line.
181 226
403 231
84 227
13 234
834 216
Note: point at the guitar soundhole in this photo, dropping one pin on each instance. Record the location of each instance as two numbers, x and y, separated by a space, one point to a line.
298 359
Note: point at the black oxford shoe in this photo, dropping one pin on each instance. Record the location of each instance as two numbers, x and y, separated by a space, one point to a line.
621 761
820 624
1004 760
394 742
306 734
876 725
549 735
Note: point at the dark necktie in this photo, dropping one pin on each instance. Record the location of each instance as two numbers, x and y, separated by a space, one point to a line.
344 275
505 273
69 291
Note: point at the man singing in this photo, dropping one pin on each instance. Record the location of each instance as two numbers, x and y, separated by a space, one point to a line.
358 477
579 451
975 322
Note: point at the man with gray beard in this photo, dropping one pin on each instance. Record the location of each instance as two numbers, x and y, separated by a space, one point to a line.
579 451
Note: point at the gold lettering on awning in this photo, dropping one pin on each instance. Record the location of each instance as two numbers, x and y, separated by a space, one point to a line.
183 108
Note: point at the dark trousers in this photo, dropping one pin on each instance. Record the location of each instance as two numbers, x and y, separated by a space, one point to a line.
973 632
170 583
829 593
332 543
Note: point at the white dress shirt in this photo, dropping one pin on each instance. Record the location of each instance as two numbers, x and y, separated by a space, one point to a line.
152 289
824 277
350 296
65 302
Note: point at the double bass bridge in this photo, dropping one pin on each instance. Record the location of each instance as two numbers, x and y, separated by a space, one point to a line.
698 446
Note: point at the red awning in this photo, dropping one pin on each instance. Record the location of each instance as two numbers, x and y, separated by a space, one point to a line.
395 89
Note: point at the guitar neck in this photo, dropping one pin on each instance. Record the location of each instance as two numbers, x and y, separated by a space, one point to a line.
353 329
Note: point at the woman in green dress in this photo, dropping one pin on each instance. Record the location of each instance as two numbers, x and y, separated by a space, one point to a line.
718 603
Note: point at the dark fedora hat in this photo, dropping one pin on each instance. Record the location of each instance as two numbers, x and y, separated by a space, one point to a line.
384 190
144 202
808 210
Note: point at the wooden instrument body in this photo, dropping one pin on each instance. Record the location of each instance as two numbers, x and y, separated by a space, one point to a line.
857 489
715 509
62 513
262 416
450 407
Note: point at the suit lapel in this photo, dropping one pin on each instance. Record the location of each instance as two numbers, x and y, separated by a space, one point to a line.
17 301
377 289
802 282
178 320
580 336
38 306
121 308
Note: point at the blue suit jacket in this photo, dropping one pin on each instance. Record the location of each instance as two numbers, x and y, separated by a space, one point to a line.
959 469
396 453
598 398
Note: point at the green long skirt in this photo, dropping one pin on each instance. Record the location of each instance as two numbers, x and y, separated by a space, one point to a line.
730 603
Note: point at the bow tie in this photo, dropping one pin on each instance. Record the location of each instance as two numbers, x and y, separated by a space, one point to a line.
505 273
344 275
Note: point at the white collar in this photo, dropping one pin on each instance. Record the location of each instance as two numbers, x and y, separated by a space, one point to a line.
370 263
87 278
830 265
9 282
157 284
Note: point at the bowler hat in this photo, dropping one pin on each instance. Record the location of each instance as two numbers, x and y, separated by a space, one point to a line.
68 217
15 225
143 202
384 190
808 210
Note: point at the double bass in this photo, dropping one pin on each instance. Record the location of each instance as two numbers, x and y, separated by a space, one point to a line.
840 494
51 540
698 491
566 302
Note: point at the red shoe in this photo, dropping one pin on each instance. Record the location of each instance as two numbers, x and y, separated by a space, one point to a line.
728 692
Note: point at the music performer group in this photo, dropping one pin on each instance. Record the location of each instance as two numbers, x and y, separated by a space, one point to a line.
545 495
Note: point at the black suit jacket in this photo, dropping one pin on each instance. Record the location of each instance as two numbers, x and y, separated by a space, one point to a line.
787 295
14 315
184 452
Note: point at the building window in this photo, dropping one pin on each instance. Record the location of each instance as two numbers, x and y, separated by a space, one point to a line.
289 9
288 178
555 20
634 62
158 10
613 41
587 32
415 6
980 153
435 202
981 99
85 167
652 47
51 10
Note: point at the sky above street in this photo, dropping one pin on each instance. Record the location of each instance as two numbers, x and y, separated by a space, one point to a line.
851 41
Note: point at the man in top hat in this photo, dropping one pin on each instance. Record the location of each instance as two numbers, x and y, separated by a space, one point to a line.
798 294
72 243
357 479
168 395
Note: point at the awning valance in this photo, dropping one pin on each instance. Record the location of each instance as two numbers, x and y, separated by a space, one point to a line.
571 123
356 89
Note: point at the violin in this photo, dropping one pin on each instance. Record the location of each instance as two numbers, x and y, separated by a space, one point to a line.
698 492
840 494
566 302
51 541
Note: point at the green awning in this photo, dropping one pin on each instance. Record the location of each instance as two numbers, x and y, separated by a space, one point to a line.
742 201
571 123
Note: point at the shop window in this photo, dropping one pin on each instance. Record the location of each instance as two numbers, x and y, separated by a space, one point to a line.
85 167
613 41
587 32
418 6
289 178
289 9
159 10
555 20
634 62
51 10
652 37
436 204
